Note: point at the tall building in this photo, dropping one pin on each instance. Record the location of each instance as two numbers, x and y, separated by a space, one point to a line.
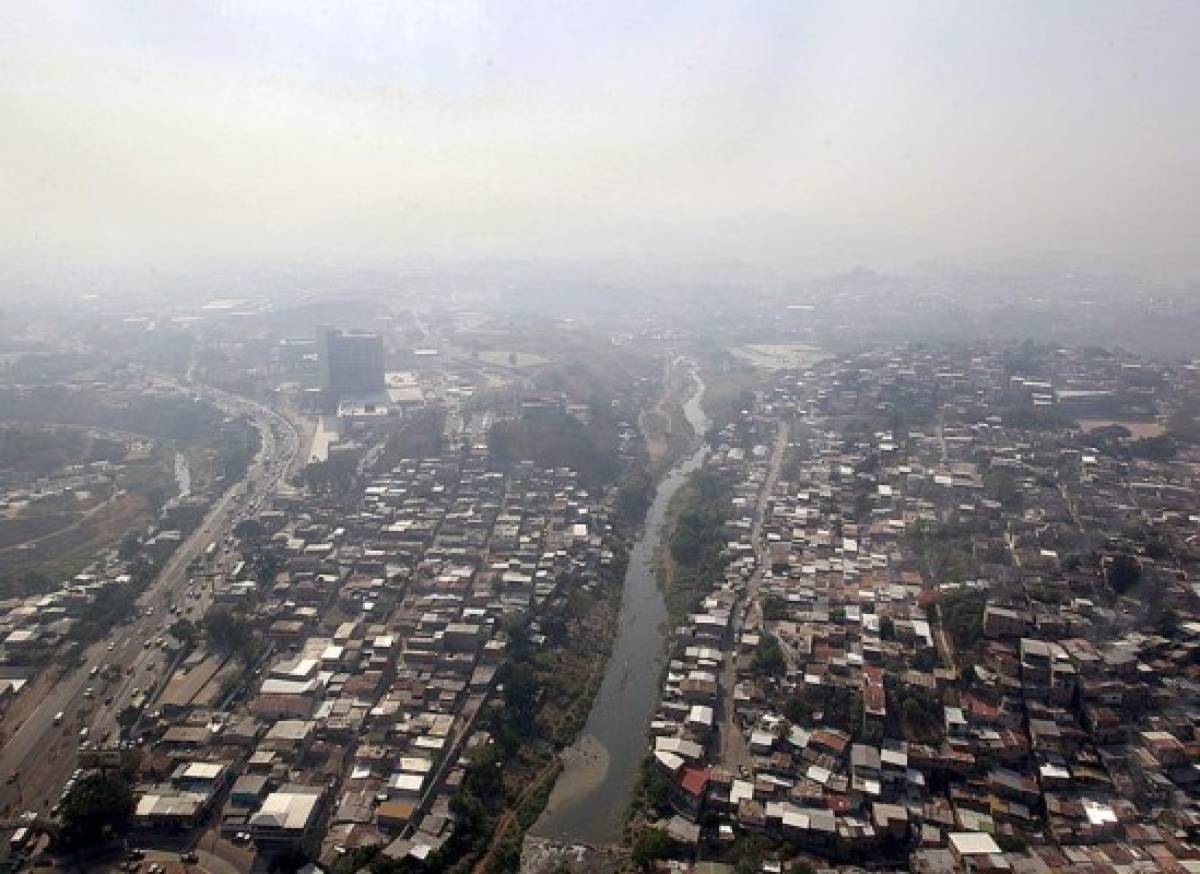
351 363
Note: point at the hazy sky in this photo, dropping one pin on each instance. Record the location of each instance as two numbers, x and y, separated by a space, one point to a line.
796 133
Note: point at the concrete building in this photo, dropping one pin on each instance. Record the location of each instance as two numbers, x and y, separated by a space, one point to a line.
287 818
351 363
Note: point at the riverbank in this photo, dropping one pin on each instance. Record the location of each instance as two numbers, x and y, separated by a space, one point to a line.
589 799
558 765
689 561
568 673
668 432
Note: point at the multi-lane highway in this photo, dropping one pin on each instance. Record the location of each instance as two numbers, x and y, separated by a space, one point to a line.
40 754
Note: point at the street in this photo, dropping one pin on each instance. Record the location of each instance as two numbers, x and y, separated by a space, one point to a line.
43 750
735 753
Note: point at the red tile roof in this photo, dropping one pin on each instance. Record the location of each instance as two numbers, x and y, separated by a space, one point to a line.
695 780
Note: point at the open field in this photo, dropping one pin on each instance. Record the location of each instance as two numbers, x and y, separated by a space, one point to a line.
780 356
17 529
70 547
512 358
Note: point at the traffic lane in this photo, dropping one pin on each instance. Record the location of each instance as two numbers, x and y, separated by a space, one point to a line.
63 739
26 752
29 745
26 749
45 766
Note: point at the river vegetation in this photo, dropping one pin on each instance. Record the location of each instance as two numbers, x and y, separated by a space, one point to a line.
556 438
696 558
554 669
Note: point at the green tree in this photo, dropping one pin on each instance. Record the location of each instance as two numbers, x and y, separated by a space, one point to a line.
633 498
649 846
1000 485
1124 573
768 657
288 862
266 563
249 529
128 547
185 631
658 790
555 438
98 807
751 852
921 715
128 717
774 608
229 633
962 615
1160 448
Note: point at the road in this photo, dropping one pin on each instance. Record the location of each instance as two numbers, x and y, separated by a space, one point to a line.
42 753
734 753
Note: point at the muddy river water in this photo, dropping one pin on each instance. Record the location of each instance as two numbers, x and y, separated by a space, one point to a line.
600 771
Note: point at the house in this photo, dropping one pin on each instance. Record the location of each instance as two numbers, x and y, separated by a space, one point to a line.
287 818
688 797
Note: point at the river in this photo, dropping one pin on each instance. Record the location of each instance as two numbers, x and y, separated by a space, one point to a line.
589 799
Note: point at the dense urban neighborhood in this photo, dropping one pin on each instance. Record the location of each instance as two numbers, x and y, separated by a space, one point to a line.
432 598
623 437
946 629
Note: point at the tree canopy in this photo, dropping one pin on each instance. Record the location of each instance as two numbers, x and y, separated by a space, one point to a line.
97 807
1123 573
229 633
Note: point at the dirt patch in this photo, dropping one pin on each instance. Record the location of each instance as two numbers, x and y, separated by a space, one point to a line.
779 356
584 766
665 427
96 530
506 358
16 530
544 856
